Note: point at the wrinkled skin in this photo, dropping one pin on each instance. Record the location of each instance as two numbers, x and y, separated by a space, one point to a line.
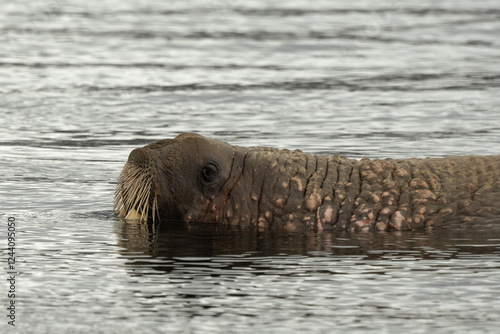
197 179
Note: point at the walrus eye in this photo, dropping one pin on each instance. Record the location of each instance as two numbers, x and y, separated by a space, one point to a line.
209 172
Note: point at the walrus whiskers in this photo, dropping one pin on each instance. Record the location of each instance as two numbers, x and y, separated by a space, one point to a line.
132 195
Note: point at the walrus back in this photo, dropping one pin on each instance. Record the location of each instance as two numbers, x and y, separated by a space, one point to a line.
429 192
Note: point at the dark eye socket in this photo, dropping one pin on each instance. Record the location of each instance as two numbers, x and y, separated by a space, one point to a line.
209 173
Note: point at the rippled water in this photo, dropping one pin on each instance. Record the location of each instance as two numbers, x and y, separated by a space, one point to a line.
84 82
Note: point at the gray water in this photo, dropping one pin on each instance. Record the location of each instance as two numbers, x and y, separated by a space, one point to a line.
82 83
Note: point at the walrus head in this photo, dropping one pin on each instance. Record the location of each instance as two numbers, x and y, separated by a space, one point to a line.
178 179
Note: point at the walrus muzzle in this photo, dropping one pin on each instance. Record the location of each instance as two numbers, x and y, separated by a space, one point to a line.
134 196
197 179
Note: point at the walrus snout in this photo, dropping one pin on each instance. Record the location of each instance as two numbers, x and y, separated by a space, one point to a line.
139 157
135 197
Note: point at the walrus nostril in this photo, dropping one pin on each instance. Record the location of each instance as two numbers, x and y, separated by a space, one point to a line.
139 157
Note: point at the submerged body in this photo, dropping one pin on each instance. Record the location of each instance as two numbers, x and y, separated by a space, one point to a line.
196 179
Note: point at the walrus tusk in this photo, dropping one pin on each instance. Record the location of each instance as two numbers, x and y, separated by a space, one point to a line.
133 214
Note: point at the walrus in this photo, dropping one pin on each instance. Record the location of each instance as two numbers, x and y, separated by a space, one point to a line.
192 178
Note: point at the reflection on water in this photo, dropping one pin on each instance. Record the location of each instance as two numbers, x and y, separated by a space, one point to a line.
170 240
